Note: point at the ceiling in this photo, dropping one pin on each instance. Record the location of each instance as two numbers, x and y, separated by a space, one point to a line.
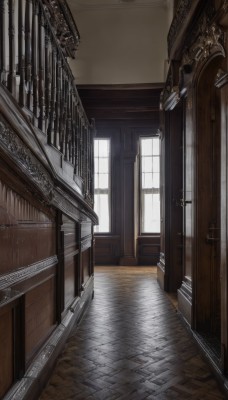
122 41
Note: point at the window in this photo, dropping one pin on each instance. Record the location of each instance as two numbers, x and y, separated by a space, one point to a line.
150 185
102 183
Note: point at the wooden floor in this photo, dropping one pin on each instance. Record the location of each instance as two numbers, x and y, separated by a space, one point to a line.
131 345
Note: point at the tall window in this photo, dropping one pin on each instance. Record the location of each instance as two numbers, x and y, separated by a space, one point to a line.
150 185
102 183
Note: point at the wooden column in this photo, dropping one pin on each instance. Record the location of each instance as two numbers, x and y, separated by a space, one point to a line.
128 235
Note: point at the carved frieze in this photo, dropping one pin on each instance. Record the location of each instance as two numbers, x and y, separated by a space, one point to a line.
64 25
180 15
210 41
15 148
27 272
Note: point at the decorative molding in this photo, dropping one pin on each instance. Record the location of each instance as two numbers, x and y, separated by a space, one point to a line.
221 78
15 148
86 243
171 93
27 272
74 209
208 42
64 25
182 11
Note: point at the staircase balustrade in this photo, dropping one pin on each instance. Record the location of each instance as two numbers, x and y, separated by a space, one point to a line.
34 46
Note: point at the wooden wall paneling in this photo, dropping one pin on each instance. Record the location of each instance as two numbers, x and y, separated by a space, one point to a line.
107 250
148 250
86 251
224 225
71 249
40 316
19 337
60 268
12 355
86 261
6 349
24 228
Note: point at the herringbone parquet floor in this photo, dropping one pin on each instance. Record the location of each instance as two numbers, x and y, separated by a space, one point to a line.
131 345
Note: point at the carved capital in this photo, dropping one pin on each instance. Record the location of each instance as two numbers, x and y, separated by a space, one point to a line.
207 44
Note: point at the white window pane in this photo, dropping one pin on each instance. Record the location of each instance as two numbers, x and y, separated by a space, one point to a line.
146 164
96 182
156 150
147 180
146 147
103 165
101 207
103 147
156 162
103 181
151 213
156 180
96 142
96 165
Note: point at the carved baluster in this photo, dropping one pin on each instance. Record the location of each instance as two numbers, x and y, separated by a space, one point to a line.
21 51
87 160
76 140
47 78
61 113
53 96
3 40
61 119
83 155
28 51
70 130
35 61
80 148
66 155
73 127
42 71
12 63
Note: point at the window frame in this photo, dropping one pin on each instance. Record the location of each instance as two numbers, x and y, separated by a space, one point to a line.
102 190
147 190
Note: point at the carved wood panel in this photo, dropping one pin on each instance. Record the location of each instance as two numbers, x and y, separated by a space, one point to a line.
27 234
40 315
71 250
6 349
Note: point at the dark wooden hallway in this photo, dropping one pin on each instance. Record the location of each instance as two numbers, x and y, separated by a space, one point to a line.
131 345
